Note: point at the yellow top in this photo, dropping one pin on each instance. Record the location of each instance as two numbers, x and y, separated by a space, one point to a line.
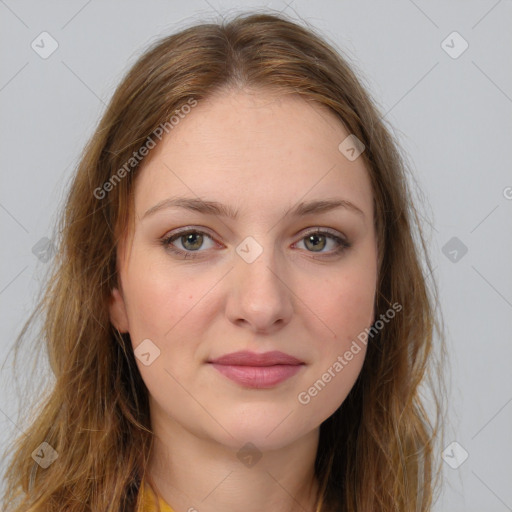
147 500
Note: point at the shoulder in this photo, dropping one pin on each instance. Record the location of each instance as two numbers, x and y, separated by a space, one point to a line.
147 500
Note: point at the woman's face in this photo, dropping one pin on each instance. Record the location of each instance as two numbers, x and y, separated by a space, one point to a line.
264 267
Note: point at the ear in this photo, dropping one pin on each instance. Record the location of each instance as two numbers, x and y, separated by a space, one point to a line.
117 311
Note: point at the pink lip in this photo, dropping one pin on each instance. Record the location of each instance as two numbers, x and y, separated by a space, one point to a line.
257 370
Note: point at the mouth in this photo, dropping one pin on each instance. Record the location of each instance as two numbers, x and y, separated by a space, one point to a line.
259 371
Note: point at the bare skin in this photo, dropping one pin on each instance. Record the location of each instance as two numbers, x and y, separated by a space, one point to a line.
259 154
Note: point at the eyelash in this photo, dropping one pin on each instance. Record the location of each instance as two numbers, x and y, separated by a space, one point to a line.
167 243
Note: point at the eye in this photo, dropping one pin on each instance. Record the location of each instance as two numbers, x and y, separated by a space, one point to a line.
188 243
190 240
317 240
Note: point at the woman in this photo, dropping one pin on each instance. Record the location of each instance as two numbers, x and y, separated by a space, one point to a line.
238 316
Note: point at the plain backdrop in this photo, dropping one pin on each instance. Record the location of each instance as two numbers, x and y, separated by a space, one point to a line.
448 97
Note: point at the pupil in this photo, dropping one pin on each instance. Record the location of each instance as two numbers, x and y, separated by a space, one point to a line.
310 239
317 242
190 238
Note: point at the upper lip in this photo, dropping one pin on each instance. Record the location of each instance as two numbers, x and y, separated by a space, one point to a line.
246 358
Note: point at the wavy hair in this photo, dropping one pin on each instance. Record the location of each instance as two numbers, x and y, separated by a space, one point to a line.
377 451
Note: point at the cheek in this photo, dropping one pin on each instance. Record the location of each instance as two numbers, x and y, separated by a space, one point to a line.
351 306
157 297
347 311
345 302
346 308
163 306
170 306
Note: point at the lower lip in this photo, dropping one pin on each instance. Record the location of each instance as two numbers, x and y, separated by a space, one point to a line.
258 376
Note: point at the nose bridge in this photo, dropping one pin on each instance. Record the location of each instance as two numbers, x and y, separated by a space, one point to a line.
256 265
258 293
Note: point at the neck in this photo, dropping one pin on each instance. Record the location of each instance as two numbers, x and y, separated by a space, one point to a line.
198 474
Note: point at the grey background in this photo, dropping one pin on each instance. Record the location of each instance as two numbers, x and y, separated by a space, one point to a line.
452 117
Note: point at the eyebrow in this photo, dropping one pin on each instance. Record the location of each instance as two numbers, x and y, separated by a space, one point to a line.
218 209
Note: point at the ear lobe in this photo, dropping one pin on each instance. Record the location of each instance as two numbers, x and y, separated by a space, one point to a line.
117 311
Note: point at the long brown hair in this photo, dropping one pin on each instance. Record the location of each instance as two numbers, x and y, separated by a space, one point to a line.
376 452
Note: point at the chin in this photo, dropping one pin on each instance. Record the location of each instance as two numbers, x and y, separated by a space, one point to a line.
266 427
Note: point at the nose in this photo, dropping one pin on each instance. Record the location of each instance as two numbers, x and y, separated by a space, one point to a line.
259 296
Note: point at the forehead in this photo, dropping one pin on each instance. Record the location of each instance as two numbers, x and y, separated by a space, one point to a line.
254 150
